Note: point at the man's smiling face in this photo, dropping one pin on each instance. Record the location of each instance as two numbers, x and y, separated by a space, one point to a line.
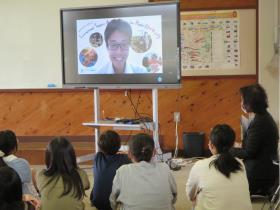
118 48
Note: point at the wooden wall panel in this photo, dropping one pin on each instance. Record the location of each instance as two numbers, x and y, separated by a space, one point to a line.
202 102
45 113
215 4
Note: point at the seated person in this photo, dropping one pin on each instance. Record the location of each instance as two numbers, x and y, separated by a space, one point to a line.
260 141
8 148
11 197
62 184
106 163
144 184
118 35
219 182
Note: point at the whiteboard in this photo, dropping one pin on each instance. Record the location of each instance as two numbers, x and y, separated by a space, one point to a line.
30 54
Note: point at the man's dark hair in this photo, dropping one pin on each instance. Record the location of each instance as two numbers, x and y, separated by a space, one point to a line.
254 98
109 142
117 25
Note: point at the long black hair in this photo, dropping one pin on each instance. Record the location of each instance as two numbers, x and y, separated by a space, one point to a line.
222 137
142 147
10 190
8 143
61 162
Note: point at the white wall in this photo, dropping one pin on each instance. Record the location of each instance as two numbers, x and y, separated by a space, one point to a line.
30 40
268 61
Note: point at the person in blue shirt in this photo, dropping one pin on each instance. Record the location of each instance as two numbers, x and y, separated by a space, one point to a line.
106 163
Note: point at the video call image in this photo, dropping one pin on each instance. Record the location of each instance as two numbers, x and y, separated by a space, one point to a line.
120 45
88 57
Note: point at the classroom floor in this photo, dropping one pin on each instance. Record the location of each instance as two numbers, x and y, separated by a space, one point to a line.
181 177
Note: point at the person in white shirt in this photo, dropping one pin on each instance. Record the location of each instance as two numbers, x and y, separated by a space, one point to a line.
219 182
143 184
118 35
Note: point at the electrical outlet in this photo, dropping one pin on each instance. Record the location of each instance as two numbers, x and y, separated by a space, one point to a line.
176 116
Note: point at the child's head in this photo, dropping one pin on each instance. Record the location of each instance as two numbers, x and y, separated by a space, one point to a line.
221 140
10 188
222 137
60 156
61 160
109 142
141 147
8 142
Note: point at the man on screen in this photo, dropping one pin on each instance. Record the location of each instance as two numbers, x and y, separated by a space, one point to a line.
118 35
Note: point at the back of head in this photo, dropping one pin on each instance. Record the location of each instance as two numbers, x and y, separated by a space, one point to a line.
61 161
117 25
254 98
222 137
142 147
60 156
109 142
10 189
8 143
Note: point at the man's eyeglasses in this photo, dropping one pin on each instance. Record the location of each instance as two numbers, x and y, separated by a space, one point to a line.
115 46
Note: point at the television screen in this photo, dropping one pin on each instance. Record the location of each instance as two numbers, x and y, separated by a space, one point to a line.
131 46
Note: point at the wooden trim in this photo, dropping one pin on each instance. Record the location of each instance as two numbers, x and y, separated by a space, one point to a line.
46 90
65 90
29 139
193 5
221 77
73 139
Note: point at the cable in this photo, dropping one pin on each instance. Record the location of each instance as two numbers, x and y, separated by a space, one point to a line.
137 104
176 140
136 113
139 116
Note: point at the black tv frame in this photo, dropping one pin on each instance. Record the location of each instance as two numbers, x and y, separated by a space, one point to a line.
139 81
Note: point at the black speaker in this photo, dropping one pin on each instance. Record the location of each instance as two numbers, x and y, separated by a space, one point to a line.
193 144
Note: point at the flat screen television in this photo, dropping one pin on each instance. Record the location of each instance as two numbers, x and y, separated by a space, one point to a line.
127 46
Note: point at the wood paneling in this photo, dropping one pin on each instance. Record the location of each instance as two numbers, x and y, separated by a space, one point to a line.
202 102
215 4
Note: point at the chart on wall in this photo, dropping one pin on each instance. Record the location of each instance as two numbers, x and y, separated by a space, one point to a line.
210 40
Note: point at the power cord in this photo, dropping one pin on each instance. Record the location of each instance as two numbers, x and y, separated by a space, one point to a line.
173 163
176 140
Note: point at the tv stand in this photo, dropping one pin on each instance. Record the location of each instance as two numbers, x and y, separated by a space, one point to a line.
141 126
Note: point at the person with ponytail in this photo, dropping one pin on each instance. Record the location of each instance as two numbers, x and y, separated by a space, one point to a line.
144 184
62 184
219 182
